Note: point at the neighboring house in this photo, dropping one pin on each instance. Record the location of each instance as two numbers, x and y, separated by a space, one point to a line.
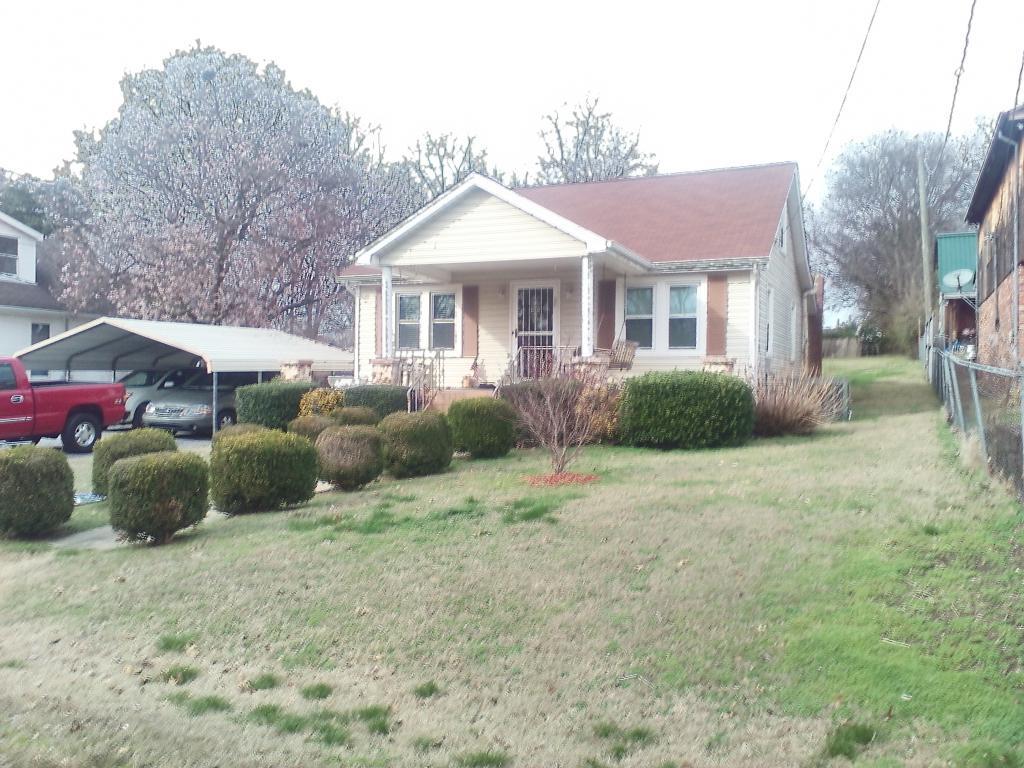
701 270
995 210
28 312
956 261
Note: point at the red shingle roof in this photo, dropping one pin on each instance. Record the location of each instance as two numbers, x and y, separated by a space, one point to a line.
719 214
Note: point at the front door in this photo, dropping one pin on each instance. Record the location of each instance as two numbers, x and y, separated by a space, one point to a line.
534 329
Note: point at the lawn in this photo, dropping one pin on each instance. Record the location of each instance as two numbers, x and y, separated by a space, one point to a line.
792 602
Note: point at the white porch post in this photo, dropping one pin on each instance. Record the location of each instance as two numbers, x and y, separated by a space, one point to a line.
387 309
587 306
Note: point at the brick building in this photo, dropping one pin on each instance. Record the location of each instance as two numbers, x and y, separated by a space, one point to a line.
995 209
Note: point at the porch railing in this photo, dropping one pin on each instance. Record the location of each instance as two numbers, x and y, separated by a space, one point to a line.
535 362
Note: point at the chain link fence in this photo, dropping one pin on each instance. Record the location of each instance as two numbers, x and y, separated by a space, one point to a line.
984 403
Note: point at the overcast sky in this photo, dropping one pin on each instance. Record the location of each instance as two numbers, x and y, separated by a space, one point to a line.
707 84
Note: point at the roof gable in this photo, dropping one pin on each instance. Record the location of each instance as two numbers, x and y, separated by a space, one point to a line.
25 229
719 214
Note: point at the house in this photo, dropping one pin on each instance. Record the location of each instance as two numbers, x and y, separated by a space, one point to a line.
956 261
28 312
994 209
704 270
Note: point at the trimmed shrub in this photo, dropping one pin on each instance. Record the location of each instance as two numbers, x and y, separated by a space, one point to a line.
482 426
322 400
686 410
236 429
416 443
37 490
272 404
385 399
154 496
355 415
350 457
116 447
310 426
261 471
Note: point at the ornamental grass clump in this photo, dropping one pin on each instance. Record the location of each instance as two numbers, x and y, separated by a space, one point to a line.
795 404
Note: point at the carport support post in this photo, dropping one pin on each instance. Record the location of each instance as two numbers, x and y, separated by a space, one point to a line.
214 415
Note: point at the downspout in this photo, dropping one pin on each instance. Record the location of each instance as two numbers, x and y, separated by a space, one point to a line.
1016 246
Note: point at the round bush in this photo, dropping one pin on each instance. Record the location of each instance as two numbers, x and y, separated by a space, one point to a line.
416 443
385 399
323 400
310 426
154 496
355 415
261 471
37 490
350 457
686 410
236 429
271 405
482 426
116 447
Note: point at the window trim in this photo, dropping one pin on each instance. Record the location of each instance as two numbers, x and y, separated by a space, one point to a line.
626 317
424 337
695 316
431 320
399 295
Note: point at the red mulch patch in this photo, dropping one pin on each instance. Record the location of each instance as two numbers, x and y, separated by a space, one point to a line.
560 478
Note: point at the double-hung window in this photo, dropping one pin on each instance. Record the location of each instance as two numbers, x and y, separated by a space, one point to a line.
409 321
640 316
682 317
8 256
442 321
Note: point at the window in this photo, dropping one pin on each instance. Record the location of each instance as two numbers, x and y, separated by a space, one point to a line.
8 255
640 316
682 317
442 321
40 332
768 324
7 380
409 321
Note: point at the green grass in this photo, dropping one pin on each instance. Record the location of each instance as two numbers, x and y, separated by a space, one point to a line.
484 759
175 643
316 691
622 742
426 690
423 744
179 674
13 664
848 739
263 682
200 705
535 508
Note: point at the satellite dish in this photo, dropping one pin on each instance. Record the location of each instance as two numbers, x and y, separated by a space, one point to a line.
958 279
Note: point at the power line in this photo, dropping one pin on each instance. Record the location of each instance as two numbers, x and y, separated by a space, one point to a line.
1020 77
842 104
956 89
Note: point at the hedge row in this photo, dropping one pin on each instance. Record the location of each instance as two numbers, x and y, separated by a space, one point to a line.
272 404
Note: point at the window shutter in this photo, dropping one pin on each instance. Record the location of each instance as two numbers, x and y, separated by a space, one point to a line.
605 314
378 311
470 320
718 298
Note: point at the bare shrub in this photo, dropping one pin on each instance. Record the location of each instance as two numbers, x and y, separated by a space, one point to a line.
793 404
550 410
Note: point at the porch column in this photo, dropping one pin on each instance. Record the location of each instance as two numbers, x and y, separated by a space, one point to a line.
587 306
387 310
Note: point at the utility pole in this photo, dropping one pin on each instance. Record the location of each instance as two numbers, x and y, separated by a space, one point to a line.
926 251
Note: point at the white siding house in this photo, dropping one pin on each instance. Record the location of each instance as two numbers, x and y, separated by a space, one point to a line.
702 270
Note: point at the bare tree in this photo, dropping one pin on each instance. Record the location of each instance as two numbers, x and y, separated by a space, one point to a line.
553 410
589 147
866 234
440 162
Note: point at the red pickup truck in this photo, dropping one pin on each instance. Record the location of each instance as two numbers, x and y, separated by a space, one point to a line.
75 412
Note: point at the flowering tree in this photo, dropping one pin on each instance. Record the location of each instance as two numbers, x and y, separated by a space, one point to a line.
221 194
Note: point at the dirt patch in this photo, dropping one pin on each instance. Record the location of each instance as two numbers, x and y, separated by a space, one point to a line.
558 479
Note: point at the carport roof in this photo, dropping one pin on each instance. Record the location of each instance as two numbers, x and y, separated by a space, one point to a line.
114 343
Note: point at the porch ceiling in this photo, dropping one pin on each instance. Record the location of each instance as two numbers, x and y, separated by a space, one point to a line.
519 269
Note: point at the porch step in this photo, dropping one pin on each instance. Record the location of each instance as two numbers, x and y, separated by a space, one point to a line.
443 398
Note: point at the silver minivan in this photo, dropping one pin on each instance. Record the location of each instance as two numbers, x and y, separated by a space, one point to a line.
189 407
141 386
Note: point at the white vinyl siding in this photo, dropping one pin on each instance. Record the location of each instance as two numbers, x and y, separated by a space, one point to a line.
738 319
481 228
778 293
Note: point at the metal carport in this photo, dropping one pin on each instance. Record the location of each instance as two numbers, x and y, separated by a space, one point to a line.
114 344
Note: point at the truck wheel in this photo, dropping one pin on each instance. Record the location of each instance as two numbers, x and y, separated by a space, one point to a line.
80 433
137 416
